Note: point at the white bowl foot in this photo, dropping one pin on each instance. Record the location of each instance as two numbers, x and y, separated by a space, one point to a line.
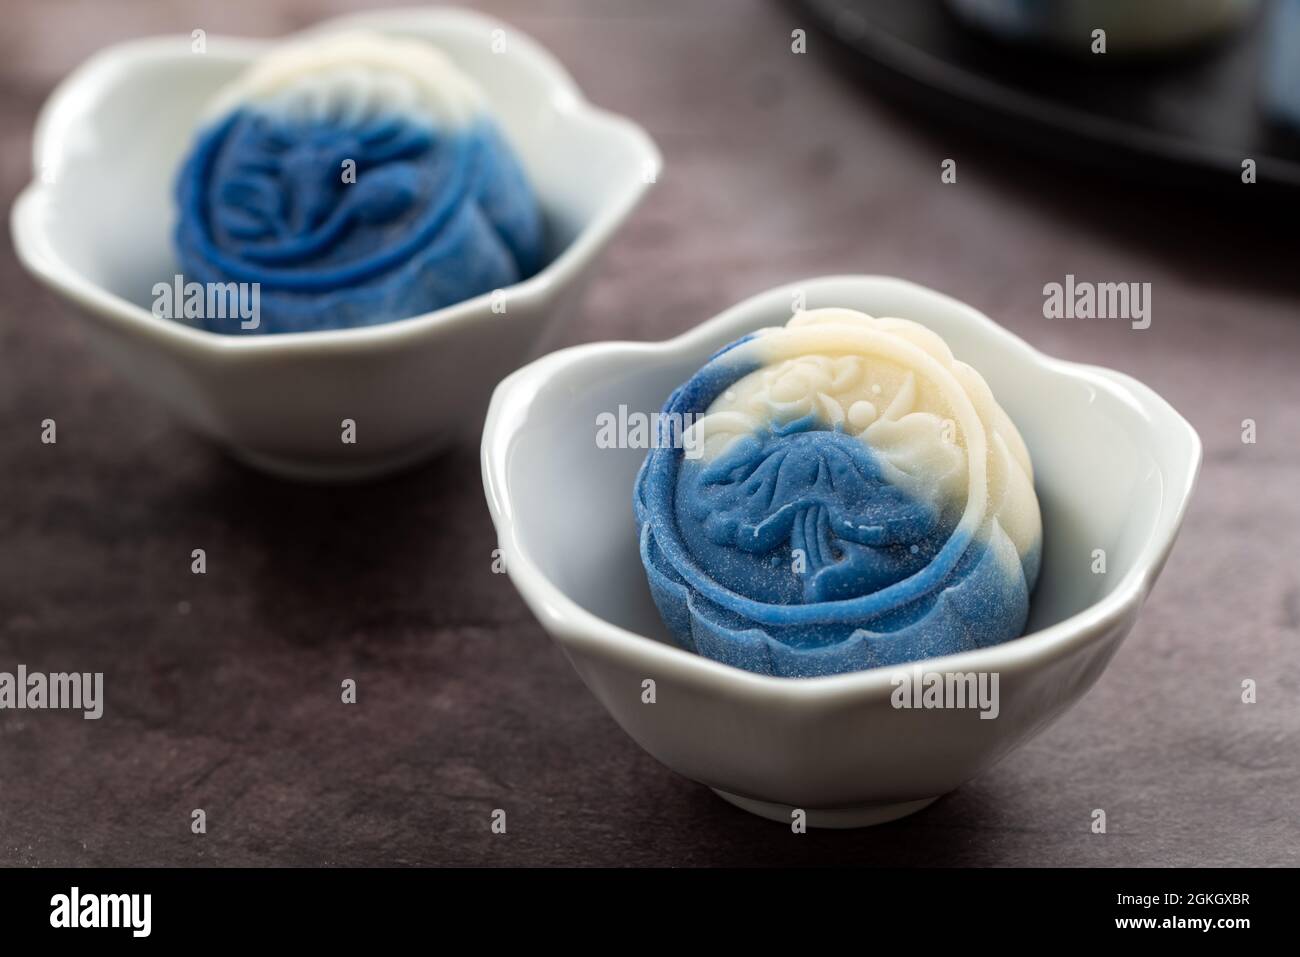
840 817
342 471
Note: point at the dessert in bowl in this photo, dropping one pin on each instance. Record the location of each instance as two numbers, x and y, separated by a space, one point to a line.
99 225
355 179
856 498
1113 469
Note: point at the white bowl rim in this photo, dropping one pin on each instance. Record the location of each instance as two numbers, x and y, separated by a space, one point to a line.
69 100
572 624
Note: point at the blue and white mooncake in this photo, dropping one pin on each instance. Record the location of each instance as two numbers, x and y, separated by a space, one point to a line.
836 494
357 179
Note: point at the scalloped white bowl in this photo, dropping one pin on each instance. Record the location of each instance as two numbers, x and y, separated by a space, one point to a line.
95 225
1115 466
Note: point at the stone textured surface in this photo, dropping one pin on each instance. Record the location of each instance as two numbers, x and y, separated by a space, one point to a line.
223 690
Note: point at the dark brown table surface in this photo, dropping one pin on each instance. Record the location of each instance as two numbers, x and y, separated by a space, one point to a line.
222 691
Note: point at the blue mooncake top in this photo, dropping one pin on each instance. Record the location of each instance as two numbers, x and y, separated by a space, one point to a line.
358 180
837 494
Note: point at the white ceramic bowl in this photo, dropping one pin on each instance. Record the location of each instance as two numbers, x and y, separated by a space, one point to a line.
96 224
1115 467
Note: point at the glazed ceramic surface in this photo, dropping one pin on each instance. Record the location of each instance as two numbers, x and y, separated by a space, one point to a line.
96 225
1114 467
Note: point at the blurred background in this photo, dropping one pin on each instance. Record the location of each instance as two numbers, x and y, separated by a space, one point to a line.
800 139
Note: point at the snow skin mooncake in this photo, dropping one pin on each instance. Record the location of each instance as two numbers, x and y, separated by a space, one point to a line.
843 494
358 179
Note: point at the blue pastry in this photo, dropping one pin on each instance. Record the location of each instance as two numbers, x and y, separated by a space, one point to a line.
356 179
837 494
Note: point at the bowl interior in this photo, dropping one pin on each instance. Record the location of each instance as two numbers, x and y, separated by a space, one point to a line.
115 145
1098 482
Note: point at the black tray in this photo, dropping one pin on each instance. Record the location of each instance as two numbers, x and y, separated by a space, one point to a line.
1186 120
